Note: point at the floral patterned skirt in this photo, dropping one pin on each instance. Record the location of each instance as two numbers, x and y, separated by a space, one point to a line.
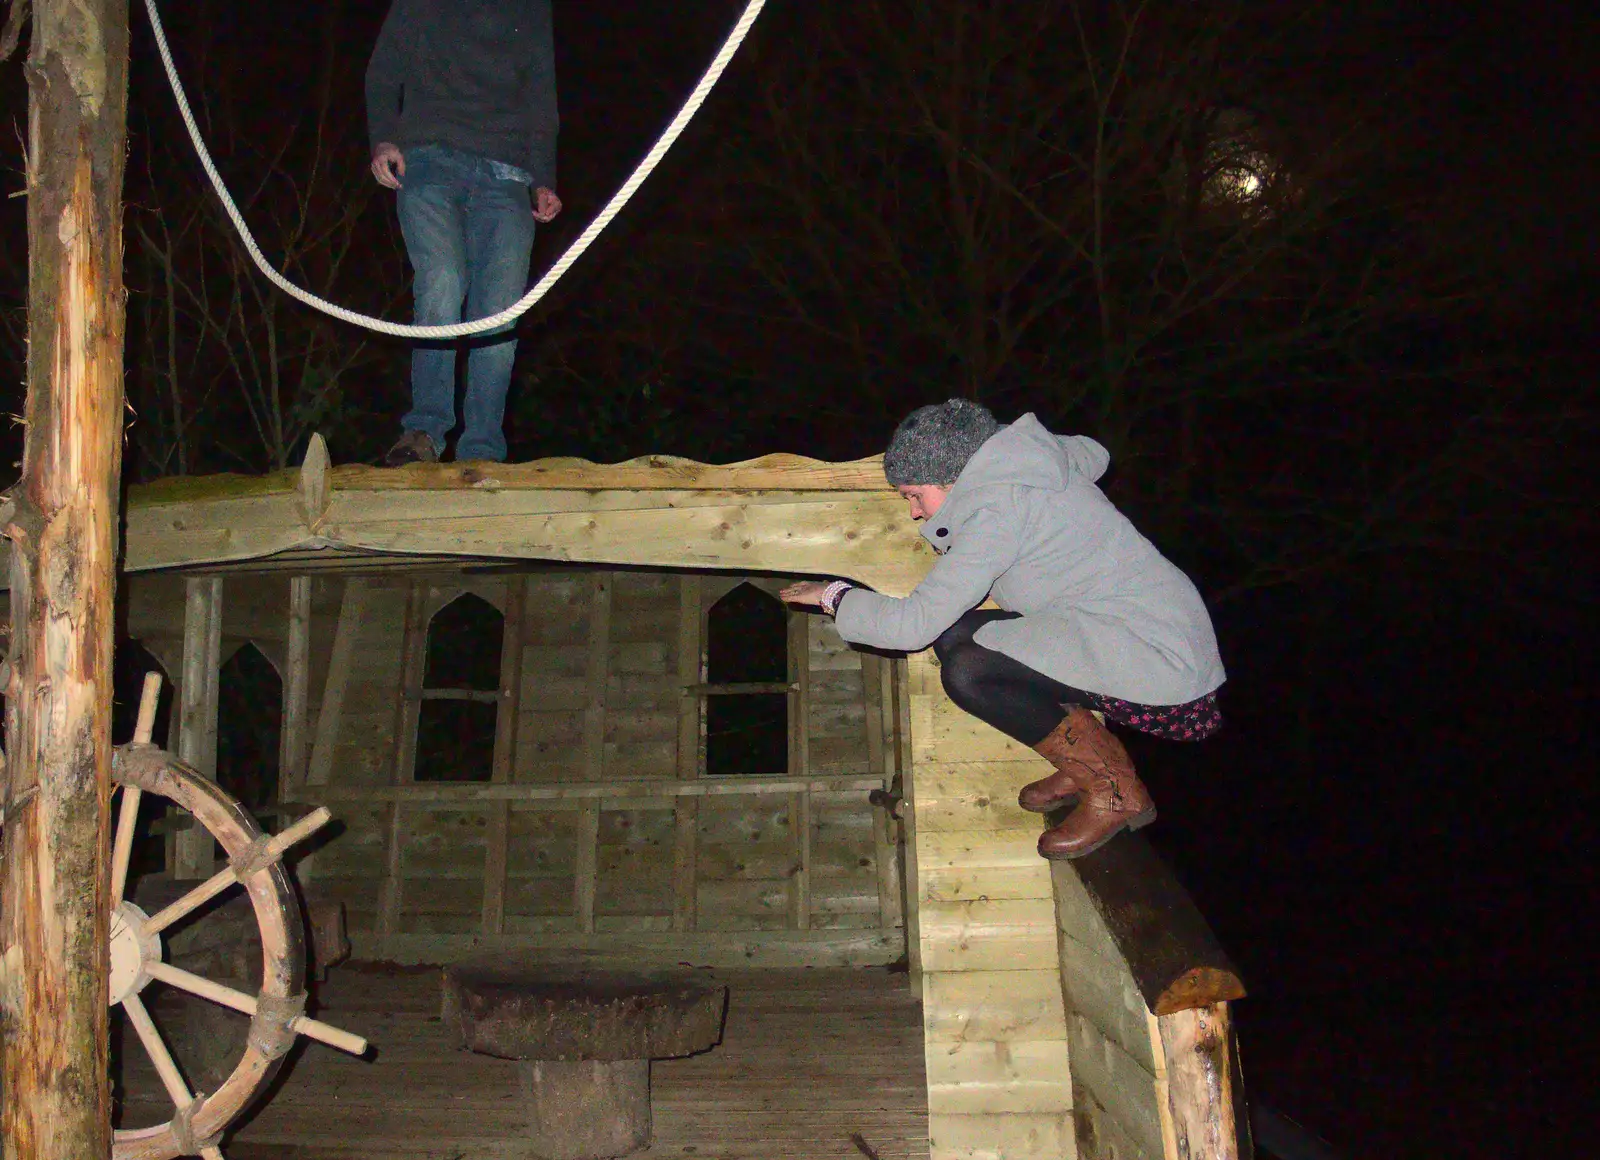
1192 721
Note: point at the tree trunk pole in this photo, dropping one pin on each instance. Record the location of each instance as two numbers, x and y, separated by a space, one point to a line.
54 882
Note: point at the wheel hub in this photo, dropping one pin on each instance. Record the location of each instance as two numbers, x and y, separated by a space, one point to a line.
131 951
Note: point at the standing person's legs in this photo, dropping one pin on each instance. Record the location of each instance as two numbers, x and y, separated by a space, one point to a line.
1049 717
432 209
499 241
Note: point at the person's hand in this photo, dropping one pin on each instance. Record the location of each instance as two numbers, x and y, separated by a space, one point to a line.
545 205
807 593
388 164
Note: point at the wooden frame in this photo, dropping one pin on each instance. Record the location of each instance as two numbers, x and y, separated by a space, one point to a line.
1042 1031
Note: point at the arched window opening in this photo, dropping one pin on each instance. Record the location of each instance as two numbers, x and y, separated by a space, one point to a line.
747 685
460 692
249 723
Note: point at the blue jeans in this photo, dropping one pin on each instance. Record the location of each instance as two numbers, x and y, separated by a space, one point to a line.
469 235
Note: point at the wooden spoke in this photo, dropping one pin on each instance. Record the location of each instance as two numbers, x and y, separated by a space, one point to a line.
239 1001
122 848
196 898
149 699
156 1048
226 877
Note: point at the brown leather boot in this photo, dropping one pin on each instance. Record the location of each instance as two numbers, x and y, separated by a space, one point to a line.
1061 749
1113 798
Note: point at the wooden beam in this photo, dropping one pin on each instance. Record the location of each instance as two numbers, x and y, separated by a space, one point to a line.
61 522
194 849
800 766
413 663
878 694
451 796
650 473
587 871
1204 1093
503 770
686 816
1174 957
346 636
910 820
294 740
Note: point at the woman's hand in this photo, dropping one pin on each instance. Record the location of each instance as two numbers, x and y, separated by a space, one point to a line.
807 593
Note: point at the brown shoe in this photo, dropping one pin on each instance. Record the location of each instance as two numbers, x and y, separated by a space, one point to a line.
1113 798
412 447
1059 749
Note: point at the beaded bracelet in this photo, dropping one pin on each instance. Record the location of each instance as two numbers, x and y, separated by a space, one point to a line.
832 594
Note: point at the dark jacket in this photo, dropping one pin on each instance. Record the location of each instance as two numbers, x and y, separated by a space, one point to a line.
1102 609
473 75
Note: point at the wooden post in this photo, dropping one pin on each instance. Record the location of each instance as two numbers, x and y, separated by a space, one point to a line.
686 812
1204 1094
197 711
294 743
505 756
352 611
800 766
408 704
877 689
54 890
587 872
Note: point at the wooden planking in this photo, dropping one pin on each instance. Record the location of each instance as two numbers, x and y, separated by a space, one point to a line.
852 1034
1007 1006
1101 990
1101 1137
1119 1083
942 733
978 1077
976 795
645 948
1047 1136
718 791
974 865
997 935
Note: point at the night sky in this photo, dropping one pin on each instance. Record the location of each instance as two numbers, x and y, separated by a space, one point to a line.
1392 834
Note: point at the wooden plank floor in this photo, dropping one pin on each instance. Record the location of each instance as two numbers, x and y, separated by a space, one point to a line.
808 1060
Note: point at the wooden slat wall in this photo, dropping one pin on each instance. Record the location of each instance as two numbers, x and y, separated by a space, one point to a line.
599 660
995 1026
1119 1075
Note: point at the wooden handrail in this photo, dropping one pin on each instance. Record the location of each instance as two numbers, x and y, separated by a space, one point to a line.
1175 959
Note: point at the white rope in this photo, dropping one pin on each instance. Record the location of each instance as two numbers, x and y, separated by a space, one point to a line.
522 305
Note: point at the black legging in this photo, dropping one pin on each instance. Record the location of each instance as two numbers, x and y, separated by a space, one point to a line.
1021 702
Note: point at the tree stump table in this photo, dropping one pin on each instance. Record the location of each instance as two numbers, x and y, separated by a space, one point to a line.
585 1039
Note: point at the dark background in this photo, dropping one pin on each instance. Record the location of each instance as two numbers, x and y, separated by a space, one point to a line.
1372 448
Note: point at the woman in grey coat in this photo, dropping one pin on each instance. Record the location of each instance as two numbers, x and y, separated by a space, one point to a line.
1091 617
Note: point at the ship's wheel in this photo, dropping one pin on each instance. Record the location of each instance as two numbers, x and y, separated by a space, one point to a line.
276 1013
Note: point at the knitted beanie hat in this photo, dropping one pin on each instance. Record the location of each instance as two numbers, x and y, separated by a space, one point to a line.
933 443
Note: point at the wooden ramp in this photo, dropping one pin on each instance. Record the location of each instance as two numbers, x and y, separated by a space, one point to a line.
808 1059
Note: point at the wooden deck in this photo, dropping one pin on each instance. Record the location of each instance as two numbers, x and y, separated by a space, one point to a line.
809 1059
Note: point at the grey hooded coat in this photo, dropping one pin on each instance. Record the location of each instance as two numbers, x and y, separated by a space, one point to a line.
1102 610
